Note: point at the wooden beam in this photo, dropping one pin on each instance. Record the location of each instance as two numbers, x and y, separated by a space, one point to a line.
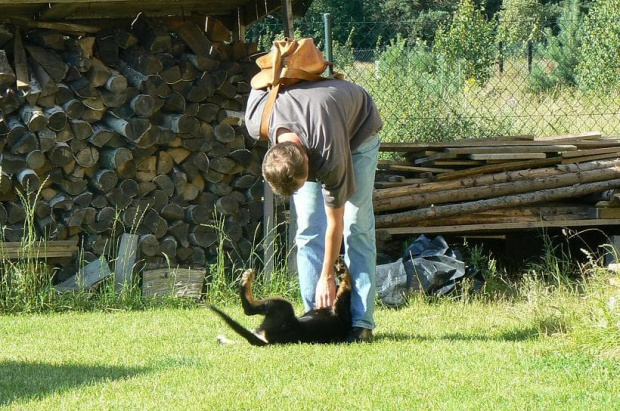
451 229
56 12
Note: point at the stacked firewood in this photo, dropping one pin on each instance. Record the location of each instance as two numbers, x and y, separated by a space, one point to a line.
135 129
478 185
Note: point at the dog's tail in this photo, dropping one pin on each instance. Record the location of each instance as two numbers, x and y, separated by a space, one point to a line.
238 328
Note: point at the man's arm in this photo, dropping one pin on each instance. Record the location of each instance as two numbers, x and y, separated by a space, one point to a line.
326 287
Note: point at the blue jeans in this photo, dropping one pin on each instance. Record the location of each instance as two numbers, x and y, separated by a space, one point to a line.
359 236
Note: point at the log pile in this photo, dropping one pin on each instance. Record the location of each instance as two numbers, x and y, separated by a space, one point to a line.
485 185
129 129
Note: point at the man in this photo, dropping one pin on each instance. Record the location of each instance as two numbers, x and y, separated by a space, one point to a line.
324 150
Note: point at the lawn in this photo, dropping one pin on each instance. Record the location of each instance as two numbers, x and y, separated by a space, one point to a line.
549 350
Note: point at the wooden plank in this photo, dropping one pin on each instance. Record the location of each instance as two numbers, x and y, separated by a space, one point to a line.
507 156
125 261
451 229
512 149
458 163
89 276
585 134
414 169
592 152
176 282
590 158
437 156
39 249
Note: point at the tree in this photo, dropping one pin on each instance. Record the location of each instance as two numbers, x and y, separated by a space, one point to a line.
520 21
468 43
561 55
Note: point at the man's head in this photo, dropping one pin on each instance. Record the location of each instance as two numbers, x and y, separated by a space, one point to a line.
285 168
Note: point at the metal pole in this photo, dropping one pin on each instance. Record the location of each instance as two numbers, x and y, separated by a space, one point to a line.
329 55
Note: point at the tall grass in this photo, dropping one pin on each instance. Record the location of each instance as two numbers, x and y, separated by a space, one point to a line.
26 282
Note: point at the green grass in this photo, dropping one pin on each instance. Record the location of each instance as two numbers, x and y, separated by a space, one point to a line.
552 349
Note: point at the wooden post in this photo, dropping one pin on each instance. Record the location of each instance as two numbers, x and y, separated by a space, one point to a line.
287 19
269 210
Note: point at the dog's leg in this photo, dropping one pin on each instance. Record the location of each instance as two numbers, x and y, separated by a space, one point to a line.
249 304
252 306
342 303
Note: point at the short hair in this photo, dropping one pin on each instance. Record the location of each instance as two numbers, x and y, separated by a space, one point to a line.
284 166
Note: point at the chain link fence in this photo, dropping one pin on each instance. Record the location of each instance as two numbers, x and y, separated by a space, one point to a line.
501 89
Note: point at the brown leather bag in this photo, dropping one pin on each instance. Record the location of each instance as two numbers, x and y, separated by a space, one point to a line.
288 62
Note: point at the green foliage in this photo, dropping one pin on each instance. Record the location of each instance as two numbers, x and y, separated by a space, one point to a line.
561 55
468 44
520 21
419 97
343 53
599 67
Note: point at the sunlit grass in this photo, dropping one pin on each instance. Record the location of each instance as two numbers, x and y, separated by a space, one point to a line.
539 352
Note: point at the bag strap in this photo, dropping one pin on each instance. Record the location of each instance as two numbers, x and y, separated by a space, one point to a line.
266 116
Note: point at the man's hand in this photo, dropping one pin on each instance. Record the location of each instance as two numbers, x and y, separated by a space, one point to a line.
325 293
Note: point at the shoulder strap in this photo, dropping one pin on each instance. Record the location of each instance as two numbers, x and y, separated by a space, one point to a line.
266 116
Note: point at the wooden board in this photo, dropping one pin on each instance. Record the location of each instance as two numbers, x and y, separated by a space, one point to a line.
512 149
38 249
592 152
176 282
497 227
507 156
228 12
585 134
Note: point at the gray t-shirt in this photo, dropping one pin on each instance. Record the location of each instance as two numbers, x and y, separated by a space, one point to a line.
332 118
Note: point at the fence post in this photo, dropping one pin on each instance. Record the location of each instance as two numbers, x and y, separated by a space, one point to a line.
501 57
329 54
529 56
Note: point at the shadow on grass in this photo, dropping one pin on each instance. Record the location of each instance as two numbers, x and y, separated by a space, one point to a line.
23 380
521 334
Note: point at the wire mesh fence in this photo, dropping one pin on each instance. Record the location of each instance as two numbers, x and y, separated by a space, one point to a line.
504 88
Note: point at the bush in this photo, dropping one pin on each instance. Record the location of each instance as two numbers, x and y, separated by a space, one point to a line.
468 45
600 61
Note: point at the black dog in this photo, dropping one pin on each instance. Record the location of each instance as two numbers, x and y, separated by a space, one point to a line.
281 326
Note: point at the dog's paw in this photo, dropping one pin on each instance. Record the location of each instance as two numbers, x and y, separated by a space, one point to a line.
247 278
343 274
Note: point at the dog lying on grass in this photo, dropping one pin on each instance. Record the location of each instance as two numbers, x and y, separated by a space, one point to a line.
281 326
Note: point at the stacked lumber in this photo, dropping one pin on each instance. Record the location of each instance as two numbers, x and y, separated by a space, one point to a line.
478 185
137 128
